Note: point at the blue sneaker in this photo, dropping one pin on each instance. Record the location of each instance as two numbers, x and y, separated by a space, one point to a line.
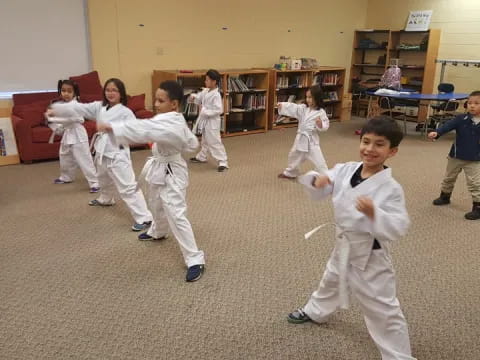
298 317
60 181
145 237
98 203
140 227
195 272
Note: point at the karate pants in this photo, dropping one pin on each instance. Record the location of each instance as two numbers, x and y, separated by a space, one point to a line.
212 142
374 288
169 208
118 173
73 156
296 158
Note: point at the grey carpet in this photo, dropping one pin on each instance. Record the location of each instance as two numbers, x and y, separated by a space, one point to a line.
76 284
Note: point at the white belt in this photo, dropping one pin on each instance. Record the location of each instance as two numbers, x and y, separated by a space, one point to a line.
163 160
343 247
303 140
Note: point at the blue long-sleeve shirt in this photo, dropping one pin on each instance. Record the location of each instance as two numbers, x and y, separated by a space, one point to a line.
467 142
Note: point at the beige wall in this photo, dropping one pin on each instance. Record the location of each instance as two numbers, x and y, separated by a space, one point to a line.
188 34
459 21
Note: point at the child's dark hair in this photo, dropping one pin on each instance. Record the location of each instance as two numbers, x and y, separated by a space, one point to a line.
73 84
173 89
384 126
214 75
317 95
475 93
121 89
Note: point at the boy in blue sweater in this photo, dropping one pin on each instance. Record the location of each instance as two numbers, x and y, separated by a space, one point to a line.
464 154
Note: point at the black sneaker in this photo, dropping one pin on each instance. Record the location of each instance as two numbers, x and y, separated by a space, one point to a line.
221 168
298 317
195 272
145 237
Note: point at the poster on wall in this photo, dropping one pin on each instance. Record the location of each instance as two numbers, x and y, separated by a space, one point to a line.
8 146
419 20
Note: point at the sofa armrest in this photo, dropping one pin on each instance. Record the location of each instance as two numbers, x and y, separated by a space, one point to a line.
23 136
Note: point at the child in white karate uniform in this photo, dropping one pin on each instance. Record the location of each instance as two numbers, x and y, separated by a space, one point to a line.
74 150
166 172
209 121
312 118
370 214
114 166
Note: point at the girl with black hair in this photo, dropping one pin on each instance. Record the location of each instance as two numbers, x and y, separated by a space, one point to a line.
312 119
74 151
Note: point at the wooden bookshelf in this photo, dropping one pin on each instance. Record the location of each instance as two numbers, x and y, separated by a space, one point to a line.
373 50
245 108
284 85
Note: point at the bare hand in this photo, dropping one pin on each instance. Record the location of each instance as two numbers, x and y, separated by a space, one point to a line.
321 181
432 135
319 123
279 106
49 113
103 127
365 205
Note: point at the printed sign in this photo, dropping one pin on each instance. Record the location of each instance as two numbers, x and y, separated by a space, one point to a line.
419 20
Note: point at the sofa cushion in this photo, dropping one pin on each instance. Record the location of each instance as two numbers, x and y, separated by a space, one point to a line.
144 114
41 134
91 127
22 101
88 98
88 83
33 113
136 102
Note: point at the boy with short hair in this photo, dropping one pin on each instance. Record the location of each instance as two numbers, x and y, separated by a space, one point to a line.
464 155
370 213
166 171
209 121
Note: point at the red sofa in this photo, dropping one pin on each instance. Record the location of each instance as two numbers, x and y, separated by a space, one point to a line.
29 123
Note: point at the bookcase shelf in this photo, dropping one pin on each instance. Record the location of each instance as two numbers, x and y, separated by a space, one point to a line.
244 90
282 91
416 51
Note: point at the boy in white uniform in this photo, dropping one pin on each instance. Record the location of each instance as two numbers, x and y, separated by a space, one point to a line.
209 121
370 213
166 171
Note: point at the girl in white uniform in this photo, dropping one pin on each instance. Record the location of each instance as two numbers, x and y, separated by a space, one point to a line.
166 171
74 150
114 166
209 121
311 119
370 213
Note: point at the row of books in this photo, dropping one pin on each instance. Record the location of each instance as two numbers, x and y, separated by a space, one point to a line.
284 81
236 84
246 102
326 79
287 98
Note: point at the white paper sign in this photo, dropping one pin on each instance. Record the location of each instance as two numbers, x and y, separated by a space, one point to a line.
419 20
8 146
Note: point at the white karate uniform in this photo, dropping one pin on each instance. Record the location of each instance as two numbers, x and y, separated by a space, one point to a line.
166 173
74 150
208 124
368 273
307 142
114 166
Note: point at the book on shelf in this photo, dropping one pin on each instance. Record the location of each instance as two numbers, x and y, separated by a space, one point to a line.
285 81
332 96
246 102
326 79
286 98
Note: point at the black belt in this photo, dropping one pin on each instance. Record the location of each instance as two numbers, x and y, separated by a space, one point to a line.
376 245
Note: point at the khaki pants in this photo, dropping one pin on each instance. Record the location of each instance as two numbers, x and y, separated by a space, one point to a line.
472 175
